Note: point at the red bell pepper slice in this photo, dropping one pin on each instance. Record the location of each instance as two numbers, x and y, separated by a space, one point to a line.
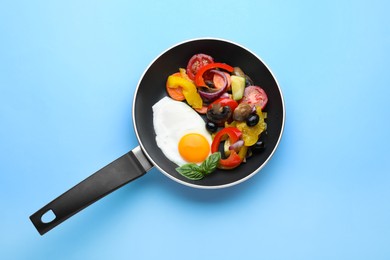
199 81
234 159
231 162
225 102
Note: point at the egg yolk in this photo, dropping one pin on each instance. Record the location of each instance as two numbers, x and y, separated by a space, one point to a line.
194 148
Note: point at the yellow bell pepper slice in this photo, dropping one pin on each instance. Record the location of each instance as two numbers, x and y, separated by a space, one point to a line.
189 90
250 134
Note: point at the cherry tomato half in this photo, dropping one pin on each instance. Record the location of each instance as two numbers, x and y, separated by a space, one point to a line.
255 96
196 62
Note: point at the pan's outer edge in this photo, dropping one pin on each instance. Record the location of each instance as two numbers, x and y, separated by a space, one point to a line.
191 184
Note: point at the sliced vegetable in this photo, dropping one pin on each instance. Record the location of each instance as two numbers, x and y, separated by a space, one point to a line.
255 96
225 102
242 112
196 62
189 90
219 81
219 114
231 162
209 95
237 145
242 153
199 81
183 74
250 134
233 135
238 86
217 111
202 110
230 101
175 93
238 72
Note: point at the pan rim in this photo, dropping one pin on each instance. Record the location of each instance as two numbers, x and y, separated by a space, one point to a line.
192 184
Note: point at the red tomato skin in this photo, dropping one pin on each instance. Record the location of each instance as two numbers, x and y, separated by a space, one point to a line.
225 102
196 62
255 96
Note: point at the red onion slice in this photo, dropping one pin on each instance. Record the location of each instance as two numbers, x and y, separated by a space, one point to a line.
237 145
211 96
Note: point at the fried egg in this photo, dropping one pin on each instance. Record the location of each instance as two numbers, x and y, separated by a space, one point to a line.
180 132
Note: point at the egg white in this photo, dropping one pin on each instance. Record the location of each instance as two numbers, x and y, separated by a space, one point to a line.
171 121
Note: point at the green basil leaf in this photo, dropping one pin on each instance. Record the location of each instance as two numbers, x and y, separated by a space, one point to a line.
190 171
211 163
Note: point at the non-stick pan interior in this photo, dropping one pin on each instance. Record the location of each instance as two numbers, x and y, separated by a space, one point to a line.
151 89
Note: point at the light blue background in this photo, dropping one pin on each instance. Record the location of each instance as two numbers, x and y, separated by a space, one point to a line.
68 71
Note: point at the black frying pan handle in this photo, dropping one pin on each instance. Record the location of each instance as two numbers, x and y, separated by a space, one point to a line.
113 176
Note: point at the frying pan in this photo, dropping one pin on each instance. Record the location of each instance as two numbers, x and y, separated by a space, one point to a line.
150 89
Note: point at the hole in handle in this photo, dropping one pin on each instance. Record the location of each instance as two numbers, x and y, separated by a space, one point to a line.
48 216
